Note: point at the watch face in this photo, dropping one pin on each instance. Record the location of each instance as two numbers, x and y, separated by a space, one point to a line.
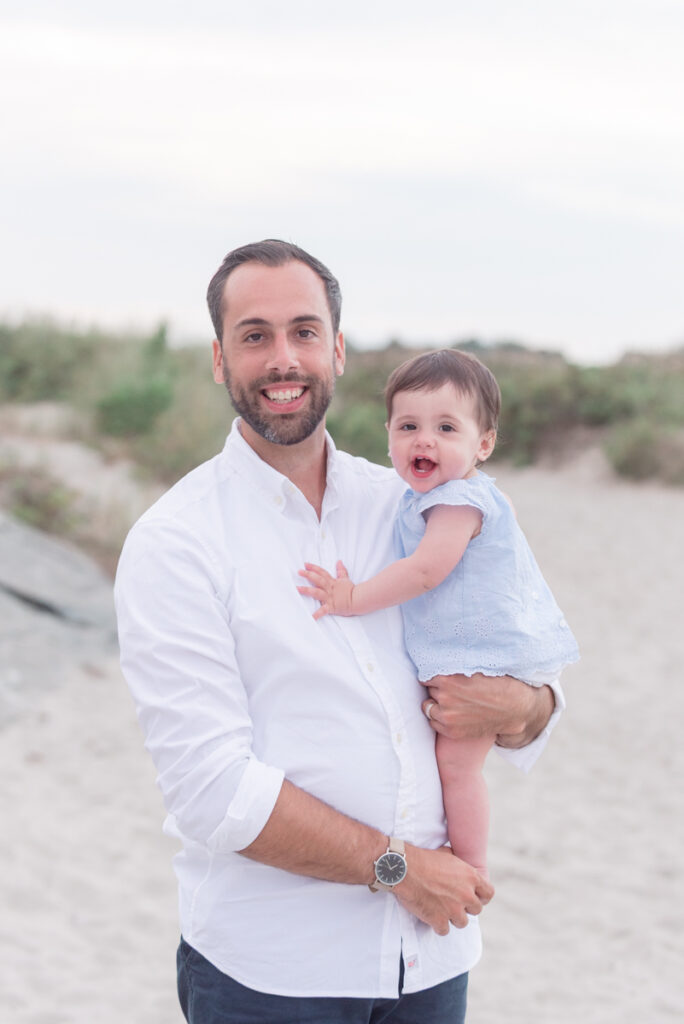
390 868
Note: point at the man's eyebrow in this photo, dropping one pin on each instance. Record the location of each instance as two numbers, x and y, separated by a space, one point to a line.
259 321
251 321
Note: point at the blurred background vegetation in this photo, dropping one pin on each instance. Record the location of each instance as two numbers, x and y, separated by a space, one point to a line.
159 406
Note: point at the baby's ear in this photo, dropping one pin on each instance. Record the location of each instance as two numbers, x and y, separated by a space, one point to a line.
486 445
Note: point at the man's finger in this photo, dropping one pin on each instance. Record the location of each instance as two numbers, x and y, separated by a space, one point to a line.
430 710
460 920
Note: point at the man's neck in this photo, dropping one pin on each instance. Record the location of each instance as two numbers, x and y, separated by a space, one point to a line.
304 463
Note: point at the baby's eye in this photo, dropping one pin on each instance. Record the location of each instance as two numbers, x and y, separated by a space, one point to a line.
447 428
407 426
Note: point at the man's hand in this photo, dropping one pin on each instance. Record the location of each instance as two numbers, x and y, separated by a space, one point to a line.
468 707
335 595
441 889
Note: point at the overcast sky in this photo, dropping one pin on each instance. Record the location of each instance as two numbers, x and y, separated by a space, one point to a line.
492 169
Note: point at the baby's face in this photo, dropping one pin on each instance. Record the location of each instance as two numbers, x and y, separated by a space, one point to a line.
434 436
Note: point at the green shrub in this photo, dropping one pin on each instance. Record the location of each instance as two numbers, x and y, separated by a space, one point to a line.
132 407
194 426
40 362
631 449
602 397
360 430
39 500
643 449
534 404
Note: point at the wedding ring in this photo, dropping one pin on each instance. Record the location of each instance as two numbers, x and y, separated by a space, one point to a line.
428 710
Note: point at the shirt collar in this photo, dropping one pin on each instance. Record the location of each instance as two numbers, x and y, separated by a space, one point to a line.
273 485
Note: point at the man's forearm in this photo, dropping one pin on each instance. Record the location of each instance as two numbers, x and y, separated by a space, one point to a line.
307 837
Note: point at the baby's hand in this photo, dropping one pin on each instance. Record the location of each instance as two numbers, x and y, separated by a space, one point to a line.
335 595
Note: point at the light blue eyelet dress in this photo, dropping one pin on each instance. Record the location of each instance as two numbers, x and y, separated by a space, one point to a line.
494 613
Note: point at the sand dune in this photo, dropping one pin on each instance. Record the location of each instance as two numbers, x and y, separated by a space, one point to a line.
586 851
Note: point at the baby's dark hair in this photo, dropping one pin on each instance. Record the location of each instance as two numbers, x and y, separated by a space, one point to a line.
431 370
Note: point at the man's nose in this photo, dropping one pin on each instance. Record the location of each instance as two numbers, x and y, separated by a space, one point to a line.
283 353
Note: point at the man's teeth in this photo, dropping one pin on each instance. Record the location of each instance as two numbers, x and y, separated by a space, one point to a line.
287 395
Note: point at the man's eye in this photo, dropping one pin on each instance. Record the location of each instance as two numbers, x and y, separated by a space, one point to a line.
254 337
305 333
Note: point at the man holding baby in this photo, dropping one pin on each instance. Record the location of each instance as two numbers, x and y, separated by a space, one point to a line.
294 757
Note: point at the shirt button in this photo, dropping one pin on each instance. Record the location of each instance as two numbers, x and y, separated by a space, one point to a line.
278 499
399 737
562 623
404 814
323 534
370 666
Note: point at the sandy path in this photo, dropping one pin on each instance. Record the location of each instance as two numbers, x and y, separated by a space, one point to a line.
88 929
587 851
588 922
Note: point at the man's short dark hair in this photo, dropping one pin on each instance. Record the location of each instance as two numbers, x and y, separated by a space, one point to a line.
431 370
272 252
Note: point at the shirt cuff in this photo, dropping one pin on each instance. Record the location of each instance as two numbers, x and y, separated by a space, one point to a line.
250 808
525 757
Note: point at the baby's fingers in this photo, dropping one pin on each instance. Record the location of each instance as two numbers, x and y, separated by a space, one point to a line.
318 595
314 574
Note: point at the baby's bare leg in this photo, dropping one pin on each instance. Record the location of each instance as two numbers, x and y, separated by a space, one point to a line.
466 800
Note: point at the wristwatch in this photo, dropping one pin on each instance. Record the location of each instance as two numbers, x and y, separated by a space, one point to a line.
390 867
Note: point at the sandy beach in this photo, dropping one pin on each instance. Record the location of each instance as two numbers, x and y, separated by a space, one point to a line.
587 851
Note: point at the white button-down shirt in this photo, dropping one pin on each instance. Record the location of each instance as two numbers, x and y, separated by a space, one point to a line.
236 687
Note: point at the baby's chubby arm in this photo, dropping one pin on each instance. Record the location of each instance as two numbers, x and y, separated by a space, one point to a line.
448 530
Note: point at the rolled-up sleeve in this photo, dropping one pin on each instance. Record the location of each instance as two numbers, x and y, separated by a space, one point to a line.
178 658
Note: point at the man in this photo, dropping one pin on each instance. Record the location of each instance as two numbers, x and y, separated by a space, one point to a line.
295 760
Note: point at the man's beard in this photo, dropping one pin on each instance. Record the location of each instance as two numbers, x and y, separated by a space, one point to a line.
281 428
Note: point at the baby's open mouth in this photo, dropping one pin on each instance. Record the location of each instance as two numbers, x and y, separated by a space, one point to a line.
422 465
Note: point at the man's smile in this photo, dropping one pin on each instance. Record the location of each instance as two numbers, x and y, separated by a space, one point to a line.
283 394
286 397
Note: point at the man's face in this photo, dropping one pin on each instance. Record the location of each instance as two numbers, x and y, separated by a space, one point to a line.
279 356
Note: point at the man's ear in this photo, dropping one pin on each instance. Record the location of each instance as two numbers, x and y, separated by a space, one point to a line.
218 361
340 355
486 445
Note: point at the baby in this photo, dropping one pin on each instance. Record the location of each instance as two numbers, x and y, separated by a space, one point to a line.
473 598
